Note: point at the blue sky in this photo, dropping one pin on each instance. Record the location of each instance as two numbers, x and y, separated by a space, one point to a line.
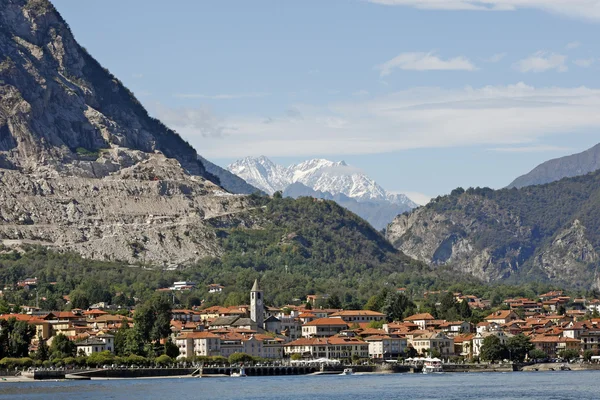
423 95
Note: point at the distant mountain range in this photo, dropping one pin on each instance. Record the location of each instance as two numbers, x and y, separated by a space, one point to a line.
325 179
559 168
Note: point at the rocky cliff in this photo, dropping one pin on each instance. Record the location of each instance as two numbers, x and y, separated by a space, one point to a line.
83 166
549 232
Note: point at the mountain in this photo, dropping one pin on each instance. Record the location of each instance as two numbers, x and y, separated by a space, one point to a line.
378 214
83 167
564 167
262 173
546 232
231 182
327 180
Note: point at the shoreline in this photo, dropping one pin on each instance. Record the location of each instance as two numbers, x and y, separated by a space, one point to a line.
547 367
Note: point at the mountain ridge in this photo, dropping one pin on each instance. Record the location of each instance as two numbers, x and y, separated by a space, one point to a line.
545 232
559 168
328 180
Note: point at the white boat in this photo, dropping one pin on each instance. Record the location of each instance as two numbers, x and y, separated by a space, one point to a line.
238 374
347 371
432 366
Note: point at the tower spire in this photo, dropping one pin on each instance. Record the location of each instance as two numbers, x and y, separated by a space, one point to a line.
255 286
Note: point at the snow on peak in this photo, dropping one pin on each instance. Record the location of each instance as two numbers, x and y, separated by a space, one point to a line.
318 174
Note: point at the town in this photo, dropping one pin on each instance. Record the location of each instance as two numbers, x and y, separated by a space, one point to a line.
553 327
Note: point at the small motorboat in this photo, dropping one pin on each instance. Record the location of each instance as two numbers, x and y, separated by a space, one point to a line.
347 371
239 373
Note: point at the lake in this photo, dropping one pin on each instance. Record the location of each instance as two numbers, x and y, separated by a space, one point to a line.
505 386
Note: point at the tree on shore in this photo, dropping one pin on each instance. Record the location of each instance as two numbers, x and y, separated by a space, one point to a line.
493 349
518 347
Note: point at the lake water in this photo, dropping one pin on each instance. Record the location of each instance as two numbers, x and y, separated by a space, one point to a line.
463 386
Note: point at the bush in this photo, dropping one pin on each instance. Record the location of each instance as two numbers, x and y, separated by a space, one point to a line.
163 360
236 358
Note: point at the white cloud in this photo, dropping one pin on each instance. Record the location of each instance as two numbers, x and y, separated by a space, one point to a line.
495 58
542 61
573 45
489 116
584 62
586 9
224 96
540 148
201 121
138 76
424 62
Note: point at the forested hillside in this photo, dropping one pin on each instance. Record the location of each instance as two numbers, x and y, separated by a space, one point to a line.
549 232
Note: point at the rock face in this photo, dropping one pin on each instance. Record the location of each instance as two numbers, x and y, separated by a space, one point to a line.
83 166
451 238
548 232
559 168
327 180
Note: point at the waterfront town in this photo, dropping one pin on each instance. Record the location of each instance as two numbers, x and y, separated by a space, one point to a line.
556 325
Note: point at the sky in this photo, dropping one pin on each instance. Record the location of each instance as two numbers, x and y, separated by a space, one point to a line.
422 95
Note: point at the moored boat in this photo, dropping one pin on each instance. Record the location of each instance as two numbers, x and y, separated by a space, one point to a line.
432 366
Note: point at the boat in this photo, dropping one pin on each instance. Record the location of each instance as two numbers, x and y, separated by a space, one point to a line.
347 371
238 373
432 366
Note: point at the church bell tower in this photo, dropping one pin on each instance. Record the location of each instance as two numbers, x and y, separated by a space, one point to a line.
257 308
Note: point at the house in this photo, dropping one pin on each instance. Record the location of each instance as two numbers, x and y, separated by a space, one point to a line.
590 339
332 347
323 327
502 317
427 343
183 285
192 344
553 345
96 344
477 341
215 288
452 328
463 345
384 346
422 320
90 346
356 316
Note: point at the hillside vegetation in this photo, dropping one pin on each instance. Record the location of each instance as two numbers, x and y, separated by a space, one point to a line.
549 232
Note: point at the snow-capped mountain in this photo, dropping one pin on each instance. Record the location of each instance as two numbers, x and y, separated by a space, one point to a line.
262 173
322 176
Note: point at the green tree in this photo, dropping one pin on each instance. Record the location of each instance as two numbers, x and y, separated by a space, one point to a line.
79 300
171 349
537 354
296 356
334 302
152 320
42 353
518 347
15 338
568 354
62 347
464 310
587 355
134 343
163 360
121 338
493 349
236 358
396 306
